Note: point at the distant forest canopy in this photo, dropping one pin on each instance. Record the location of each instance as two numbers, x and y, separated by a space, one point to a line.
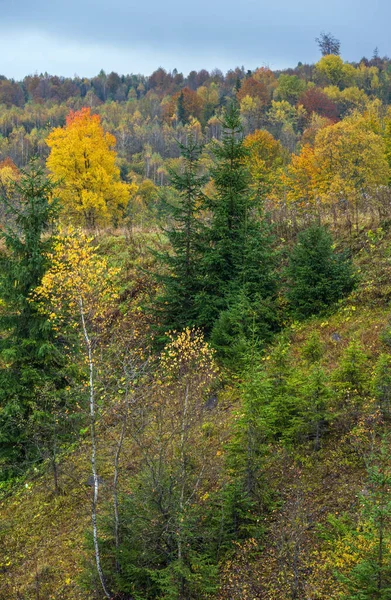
148 113
297 116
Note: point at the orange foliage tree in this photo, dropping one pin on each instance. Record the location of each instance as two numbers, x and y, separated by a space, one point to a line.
255 89
345 171
352 166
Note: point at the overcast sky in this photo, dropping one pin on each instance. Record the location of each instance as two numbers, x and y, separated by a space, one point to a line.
127 36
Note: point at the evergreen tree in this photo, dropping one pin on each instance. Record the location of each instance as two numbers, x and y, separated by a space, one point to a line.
381 384
181 112
181 281
313 349
318 276
28 358
237 260
245 323
370 577
313 412
167 549
351 382
247 451
281 406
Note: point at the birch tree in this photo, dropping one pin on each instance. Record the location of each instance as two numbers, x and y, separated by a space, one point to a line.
77 292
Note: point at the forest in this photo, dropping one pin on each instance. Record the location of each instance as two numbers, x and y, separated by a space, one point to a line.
195 334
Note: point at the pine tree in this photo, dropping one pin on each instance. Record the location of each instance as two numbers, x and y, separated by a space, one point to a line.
370 577
381 384
318 276
181 113
313 413
351 381
181 282
27 354
238 259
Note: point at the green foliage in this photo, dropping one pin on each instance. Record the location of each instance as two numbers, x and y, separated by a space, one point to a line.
166 548
247 496
271 464
381 383
313 412
176 306
292 404
148 554
181 112
351 377
29 358
318 276
290 88
313 349
281 400
238 261
385 336
370 577
243 325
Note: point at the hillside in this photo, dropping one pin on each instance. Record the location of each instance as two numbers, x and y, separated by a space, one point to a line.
195 337
44 548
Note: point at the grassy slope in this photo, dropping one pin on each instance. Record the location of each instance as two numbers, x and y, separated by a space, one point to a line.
314 485
41 535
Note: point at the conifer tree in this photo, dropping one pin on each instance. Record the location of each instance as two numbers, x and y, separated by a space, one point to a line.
27 354
381 384
238 258
181 281
370 576
318 275
181 113
313 413
248 494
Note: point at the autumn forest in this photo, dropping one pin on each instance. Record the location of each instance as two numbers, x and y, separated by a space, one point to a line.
195 334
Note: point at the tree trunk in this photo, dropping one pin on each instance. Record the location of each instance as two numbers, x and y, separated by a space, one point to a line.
115 494
93 450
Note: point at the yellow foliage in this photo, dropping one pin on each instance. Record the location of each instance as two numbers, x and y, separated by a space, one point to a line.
301 180
209 94
8 175
187 352
334 71
345 169
78 278
351 161
264 160
351 98
82 160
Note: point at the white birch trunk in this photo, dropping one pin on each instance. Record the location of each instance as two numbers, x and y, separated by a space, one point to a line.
93 450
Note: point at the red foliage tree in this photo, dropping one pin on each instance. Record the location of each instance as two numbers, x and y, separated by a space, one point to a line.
11 93
314 100
254 89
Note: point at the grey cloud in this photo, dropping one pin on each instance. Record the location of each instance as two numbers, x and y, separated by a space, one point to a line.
254 31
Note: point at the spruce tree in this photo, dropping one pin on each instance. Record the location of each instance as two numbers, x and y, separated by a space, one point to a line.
238 260
370 542
311 422
27 354
181 112
180 276
381 384
318 276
